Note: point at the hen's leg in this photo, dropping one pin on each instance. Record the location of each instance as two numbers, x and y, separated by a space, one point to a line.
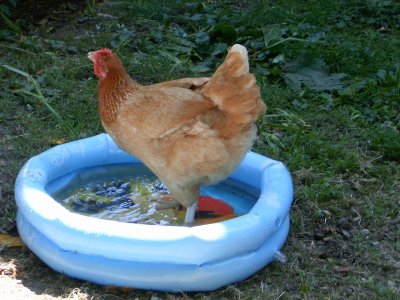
186 194
190 211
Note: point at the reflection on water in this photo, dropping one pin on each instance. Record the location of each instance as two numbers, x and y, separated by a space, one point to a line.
131 193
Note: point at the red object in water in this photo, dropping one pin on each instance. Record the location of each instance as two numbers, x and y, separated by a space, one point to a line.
214 206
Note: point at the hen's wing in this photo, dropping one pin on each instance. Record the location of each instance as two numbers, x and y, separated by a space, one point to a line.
187 83
160 109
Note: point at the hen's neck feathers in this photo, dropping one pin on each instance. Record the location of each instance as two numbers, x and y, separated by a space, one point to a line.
113 90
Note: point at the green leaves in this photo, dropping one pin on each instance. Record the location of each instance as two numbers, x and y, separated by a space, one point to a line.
386 140
15 70
10 24
122 38
202 38
390 78
37 94
382 15
224 33
312 73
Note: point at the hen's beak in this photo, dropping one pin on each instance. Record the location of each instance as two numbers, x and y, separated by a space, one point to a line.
91 56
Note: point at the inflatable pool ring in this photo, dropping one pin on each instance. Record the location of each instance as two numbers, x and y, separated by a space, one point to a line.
167 258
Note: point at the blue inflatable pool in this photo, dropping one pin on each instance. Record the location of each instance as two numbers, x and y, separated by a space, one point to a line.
167 258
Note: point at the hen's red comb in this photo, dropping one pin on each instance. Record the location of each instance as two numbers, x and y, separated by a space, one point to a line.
104 51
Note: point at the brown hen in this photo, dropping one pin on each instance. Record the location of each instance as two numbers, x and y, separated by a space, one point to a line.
189 132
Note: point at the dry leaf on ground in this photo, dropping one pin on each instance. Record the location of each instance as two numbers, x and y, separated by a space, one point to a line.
10 241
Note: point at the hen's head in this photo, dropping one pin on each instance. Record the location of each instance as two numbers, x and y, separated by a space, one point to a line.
103 61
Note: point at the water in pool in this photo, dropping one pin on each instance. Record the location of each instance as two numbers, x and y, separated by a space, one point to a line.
131 193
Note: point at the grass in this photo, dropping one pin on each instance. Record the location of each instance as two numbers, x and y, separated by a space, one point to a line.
341 143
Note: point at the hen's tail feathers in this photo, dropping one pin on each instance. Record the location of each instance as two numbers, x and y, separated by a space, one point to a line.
234 89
